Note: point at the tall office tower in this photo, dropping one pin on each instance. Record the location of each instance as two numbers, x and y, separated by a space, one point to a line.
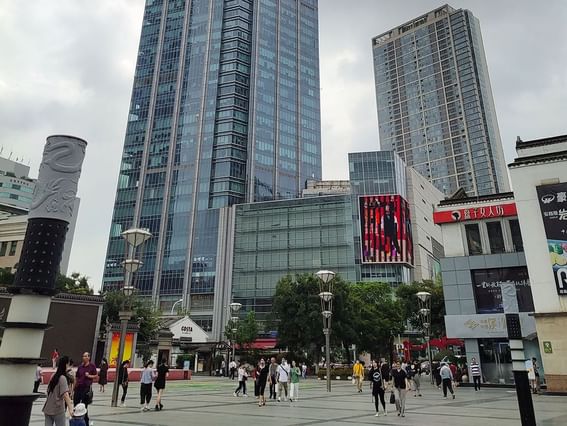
435 105
225 109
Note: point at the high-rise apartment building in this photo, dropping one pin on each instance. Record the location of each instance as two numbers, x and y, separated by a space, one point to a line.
435 104
224 110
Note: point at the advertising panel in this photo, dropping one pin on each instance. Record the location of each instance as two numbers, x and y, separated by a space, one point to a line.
385 229
553 206
475 213
128 347
487 292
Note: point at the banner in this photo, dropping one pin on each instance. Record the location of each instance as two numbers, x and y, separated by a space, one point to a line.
385 229
475 213
487 292
128 347
553 206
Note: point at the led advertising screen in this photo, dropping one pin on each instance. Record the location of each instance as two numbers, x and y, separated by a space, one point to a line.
487 292
385 229
553 205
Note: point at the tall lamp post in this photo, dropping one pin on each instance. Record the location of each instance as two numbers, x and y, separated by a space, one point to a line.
326 296
424 301
234 308
134 238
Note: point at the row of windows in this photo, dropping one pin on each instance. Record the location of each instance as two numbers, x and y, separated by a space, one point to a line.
4 248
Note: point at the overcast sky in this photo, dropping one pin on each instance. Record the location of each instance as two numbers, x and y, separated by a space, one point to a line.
67 66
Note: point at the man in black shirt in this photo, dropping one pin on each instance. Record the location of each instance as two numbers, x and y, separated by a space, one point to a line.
401 386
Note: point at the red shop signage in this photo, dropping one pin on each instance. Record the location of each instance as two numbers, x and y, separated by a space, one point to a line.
475 213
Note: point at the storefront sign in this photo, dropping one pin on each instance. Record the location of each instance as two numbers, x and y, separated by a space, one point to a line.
475 213
483 326
488 294
547 348
553 205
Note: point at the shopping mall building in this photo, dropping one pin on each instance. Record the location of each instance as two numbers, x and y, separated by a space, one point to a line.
378 226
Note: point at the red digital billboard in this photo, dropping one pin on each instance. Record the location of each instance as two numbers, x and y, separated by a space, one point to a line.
385 229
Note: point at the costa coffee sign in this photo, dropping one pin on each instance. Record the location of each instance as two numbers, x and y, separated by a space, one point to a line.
475 213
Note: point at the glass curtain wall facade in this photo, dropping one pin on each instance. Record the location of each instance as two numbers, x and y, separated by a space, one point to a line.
213 106
274 239
435 103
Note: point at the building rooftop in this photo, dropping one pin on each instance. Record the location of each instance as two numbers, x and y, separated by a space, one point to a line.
398 31
457 198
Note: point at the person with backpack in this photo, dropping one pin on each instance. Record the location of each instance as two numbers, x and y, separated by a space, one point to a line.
58 396
377 386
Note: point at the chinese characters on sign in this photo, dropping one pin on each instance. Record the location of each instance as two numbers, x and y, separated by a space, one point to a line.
475 213
553 205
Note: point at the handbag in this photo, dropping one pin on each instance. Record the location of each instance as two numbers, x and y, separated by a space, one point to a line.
89 396
392 398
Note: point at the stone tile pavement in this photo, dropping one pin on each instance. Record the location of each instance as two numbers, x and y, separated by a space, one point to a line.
209 401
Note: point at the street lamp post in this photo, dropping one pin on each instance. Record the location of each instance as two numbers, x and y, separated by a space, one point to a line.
234 308
424 301
134 238
173 307
326 296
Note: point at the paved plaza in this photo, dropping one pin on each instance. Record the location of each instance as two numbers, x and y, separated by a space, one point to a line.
209 401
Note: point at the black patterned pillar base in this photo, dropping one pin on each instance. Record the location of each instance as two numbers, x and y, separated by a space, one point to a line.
15 410
40 258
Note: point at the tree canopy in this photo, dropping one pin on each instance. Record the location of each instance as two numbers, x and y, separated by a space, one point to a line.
406 294
143 310
75 284
367 314
246 330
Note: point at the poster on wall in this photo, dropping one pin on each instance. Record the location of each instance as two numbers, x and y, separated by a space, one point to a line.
487 293
385 229
553 206
128 347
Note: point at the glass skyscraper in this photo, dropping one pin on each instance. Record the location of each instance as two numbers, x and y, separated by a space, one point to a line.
225 109
435 104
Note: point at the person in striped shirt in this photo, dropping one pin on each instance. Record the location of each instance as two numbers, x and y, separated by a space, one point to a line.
475 373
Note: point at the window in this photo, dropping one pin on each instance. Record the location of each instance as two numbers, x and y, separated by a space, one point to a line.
517 242
3 248
495 237
473 239
13 245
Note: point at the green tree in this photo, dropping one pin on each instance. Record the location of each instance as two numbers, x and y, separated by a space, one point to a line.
143 310
246 330
375 316
406 294
75 284
296 314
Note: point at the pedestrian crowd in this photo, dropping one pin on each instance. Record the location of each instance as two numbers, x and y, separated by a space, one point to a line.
71 392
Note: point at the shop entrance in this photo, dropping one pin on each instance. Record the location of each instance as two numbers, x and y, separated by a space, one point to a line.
496 361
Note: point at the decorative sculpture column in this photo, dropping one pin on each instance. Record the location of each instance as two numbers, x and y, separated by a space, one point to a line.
34 284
